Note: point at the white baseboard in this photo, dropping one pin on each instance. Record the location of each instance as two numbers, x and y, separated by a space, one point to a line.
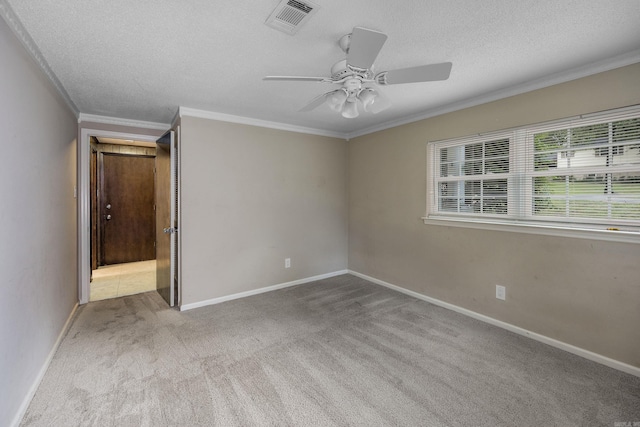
595 357
17 419
218 300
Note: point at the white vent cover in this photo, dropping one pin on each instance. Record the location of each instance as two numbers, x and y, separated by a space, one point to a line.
289 15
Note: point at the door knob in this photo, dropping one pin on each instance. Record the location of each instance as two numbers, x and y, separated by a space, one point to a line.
108 217
108 206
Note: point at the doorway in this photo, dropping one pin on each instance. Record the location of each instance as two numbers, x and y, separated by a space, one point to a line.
85 232
123 217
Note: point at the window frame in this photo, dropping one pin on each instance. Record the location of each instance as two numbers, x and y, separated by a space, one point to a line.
520 216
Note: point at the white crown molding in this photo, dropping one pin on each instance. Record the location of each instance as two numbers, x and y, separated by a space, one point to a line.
21 33
82 117
595 357
202 114
553 79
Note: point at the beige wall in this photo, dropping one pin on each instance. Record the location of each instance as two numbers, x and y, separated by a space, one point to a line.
38 257
583 292
252 197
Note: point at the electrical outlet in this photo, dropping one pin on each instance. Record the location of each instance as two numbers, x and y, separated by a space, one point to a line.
501 292
287 263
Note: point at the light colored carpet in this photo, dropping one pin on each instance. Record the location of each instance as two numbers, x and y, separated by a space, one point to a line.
340 351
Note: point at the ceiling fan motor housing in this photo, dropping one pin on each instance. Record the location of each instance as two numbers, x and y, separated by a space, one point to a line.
353 85
342 69
354 88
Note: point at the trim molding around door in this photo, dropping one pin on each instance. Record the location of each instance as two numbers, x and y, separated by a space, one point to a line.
84 210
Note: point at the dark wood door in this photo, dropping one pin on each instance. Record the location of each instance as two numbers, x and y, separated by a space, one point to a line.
127 208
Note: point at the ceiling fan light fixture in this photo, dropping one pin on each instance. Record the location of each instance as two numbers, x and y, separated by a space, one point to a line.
350 110
367 97
337 100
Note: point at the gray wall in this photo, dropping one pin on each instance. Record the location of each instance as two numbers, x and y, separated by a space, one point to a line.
38 217
583 292
252 197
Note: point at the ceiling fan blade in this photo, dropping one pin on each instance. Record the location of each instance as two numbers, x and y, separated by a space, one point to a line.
364 47
315 102
296 79
422 73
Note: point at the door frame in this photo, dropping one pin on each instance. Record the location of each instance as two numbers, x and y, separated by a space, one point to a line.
84 209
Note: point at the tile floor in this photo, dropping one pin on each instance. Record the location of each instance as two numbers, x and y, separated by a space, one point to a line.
111 281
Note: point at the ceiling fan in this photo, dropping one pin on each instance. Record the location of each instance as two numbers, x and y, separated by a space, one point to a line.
357 78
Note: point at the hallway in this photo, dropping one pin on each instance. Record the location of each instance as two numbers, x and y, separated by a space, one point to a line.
118 280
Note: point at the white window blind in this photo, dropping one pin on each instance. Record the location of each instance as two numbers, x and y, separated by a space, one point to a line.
577 173
473 177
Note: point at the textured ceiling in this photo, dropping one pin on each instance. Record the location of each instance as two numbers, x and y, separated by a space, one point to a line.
141 60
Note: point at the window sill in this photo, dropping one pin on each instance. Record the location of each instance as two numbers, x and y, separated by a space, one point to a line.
536 228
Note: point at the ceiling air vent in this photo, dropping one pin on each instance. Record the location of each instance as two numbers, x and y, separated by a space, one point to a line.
289 15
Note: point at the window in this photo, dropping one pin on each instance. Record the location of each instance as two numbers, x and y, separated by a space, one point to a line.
581 174
615 150
474 177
